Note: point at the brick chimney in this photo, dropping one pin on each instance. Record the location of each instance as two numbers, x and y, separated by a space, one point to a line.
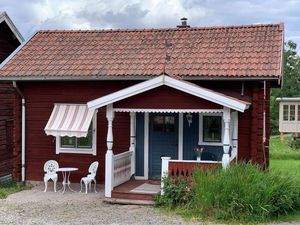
183 23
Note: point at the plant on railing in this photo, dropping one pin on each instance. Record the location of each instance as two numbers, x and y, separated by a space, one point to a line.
176 192
198 150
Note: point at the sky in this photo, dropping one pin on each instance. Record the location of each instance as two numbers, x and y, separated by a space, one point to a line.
32 15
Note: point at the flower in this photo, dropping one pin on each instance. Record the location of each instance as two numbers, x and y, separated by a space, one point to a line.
198 150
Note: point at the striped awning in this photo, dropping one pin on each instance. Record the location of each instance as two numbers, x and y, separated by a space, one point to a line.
69 120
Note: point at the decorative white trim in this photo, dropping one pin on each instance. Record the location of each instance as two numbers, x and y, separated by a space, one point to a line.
92 150
200 141
180 136
180 85
168 110
146 146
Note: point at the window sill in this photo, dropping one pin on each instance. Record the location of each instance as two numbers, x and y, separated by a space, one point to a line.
76 151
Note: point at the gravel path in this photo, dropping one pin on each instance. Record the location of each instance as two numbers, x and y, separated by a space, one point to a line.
36 207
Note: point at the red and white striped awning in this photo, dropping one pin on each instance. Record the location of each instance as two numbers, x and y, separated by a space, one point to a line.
69 120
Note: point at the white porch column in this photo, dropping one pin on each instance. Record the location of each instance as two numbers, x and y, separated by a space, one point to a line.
226 138
109 163
234 132
164 170
132 140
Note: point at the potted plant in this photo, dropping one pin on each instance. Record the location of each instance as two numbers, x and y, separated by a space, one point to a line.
198 150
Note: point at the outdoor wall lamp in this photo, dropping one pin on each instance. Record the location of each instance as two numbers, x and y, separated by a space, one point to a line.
189 118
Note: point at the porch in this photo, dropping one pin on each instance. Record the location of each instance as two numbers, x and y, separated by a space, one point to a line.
164 133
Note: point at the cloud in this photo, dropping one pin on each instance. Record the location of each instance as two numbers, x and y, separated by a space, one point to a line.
31 15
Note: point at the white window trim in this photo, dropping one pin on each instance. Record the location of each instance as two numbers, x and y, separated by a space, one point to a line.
92 151
200 141
289 112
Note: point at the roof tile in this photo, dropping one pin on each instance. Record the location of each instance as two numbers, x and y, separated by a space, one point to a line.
236 51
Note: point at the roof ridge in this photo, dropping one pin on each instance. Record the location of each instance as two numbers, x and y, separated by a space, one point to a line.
280 25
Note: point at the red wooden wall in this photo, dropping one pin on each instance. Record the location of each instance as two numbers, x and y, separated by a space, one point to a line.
7 45
169 98
6 128
40 97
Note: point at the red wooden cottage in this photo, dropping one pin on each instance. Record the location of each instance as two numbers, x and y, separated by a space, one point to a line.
10 39
128 98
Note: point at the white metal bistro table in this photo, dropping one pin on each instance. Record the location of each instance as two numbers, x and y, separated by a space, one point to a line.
66 171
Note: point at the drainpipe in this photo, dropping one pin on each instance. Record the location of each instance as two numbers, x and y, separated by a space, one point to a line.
22 130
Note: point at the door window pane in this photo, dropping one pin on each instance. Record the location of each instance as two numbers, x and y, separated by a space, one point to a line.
212 129
164 123
285 112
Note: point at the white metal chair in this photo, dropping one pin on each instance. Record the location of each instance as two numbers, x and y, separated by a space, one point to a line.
50 169
91 177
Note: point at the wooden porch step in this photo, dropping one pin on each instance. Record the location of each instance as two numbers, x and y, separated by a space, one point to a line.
128 201
132 196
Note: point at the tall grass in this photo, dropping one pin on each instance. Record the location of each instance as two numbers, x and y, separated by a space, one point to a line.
245 193
282 149
9 188
241 193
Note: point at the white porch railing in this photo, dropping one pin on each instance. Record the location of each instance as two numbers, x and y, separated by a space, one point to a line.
122 171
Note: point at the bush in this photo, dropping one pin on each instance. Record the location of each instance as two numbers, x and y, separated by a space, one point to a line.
176 192
241 193
295 143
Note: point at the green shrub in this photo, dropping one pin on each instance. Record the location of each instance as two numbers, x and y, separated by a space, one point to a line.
176 192
241 193
295 143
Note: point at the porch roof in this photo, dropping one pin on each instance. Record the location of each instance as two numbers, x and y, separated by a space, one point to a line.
184 86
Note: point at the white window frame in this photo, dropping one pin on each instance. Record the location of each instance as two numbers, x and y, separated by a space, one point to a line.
289 112
92 151
200 141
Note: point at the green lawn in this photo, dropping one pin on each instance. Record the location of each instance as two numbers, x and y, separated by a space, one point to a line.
287 160
9 188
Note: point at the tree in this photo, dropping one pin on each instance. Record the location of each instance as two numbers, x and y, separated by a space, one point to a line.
290 82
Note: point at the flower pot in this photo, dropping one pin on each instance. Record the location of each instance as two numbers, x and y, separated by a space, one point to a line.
198 158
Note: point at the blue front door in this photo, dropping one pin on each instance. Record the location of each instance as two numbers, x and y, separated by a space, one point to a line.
163 140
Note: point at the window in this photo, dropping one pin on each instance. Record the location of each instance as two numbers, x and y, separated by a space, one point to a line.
164 123
298 112
285 112
85 145
289 112
292 112
212 129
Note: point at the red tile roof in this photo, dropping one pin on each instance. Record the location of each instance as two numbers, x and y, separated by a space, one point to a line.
235 51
